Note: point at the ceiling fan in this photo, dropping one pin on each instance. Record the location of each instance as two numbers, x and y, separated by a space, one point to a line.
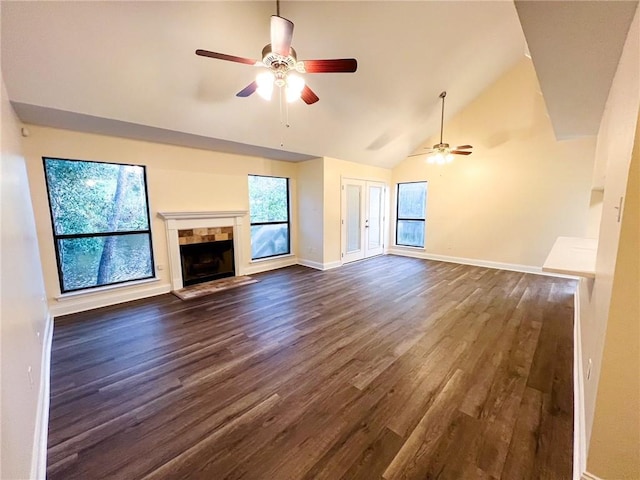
280 65
442 152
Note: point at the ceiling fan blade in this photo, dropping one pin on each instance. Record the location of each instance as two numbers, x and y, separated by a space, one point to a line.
345 65
461 152
281 35
308 96
248 90
428 151
463 147
223 56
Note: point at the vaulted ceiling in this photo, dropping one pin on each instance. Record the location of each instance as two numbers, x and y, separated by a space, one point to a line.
129 69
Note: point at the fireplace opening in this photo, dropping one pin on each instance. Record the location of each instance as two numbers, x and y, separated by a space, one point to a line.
203 262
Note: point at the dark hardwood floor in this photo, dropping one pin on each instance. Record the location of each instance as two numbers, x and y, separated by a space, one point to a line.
388 368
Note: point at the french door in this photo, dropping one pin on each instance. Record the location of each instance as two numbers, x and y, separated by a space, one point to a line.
362 219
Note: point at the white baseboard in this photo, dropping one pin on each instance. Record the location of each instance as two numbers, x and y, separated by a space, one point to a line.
330 265
589 476
39 451
579 430
318 265
90 300
311 264
265 265
416 253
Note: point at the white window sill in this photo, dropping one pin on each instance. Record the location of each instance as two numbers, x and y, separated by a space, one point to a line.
408 247
107 288
267 259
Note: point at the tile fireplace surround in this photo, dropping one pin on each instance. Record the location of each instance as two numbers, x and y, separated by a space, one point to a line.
175 221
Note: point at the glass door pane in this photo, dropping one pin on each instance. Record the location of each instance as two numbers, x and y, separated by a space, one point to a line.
354 219
375 217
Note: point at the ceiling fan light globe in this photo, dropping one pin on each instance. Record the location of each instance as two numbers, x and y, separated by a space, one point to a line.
449 157
265 84
292 95
265 78
265 93
294 87
295 82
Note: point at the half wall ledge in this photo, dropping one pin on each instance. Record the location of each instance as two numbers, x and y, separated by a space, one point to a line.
572 256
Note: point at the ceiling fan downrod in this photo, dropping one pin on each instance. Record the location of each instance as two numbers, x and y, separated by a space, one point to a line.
442 95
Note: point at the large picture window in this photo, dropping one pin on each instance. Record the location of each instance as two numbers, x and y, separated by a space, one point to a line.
411 214
269 211
100 218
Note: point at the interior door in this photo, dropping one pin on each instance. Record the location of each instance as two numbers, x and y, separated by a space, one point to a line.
362 219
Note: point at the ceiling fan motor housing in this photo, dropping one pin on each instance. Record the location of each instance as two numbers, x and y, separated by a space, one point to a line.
279 64
276 61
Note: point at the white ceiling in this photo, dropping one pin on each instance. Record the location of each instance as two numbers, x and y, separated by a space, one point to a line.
129 69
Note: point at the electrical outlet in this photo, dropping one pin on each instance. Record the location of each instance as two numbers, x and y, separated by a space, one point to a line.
589 365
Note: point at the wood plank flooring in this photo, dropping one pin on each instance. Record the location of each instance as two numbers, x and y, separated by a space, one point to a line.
391 368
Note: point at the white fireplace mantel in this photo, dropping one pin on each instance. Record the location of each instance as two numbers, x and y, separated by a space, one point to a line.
175 221
197 215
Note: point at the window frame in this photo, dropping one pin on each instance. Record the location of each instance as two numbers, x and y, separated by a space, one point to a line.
398 218
57 237
288 222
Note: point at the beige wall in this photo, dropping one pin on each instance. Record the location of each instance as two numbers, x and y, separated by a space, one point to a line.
186 179
311 212
518 191
334 171
615 438
23 311
615 144
179 179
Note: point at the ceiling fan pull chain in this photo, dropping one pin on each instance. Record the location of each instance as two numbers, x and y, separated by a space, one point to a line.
281 123
286 110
